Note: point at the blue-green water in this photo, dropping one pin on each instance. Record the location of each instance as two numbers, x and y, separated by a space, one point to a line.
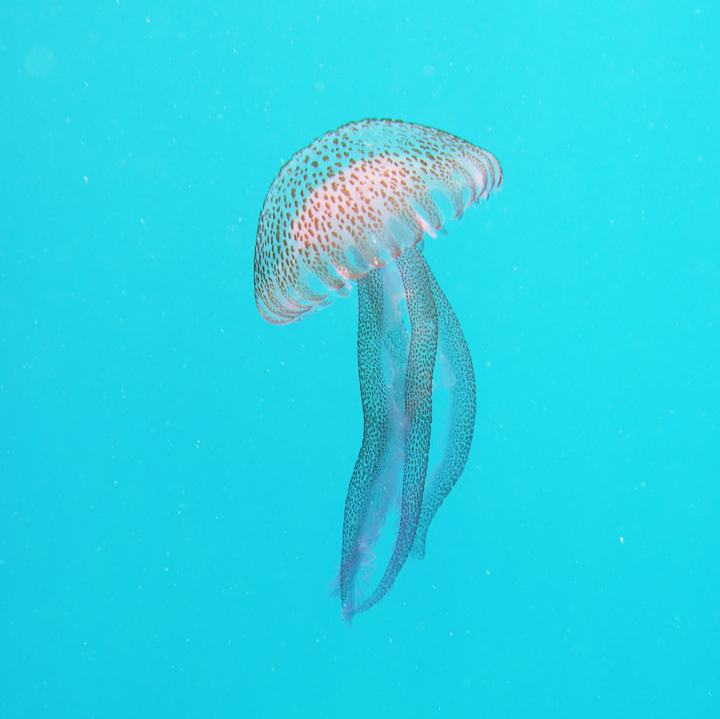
173 469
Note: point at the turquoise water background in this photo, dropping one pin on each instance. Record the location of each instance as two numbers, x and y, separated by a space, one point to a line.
173 469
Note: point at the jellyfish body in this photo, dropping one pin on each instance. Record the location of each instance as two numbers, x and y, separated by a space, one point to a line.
353 207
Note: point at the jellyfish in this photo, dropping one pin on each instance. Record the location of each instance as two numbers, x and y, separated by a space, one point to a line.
353 209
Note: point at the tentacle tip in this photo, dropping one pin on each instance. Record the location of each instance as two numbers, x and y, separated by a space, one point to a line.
348 613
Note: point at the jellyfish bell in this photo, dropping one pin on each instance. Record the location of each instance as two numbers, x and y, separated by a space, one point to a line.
354 207
353 201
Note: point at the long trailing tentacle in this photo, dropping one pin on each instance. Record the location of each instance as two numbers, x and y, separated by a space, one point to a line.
376 428
418 411
452 343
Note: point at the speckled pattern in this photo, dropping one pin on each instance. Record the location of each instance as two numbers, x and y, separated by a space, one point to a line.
352 201
418 410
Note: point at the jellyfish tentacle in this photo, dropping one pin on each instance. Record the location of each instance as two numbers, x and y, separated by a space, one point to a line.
376 427
451 342
418 412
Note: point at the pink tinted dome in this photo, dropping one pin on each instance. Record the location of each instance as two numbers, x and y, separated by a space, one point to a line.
353 201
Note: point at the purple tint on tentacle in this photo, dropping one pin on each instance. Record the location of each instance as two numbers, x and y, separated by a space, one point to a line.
451 342
376 429
418 409
375 487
